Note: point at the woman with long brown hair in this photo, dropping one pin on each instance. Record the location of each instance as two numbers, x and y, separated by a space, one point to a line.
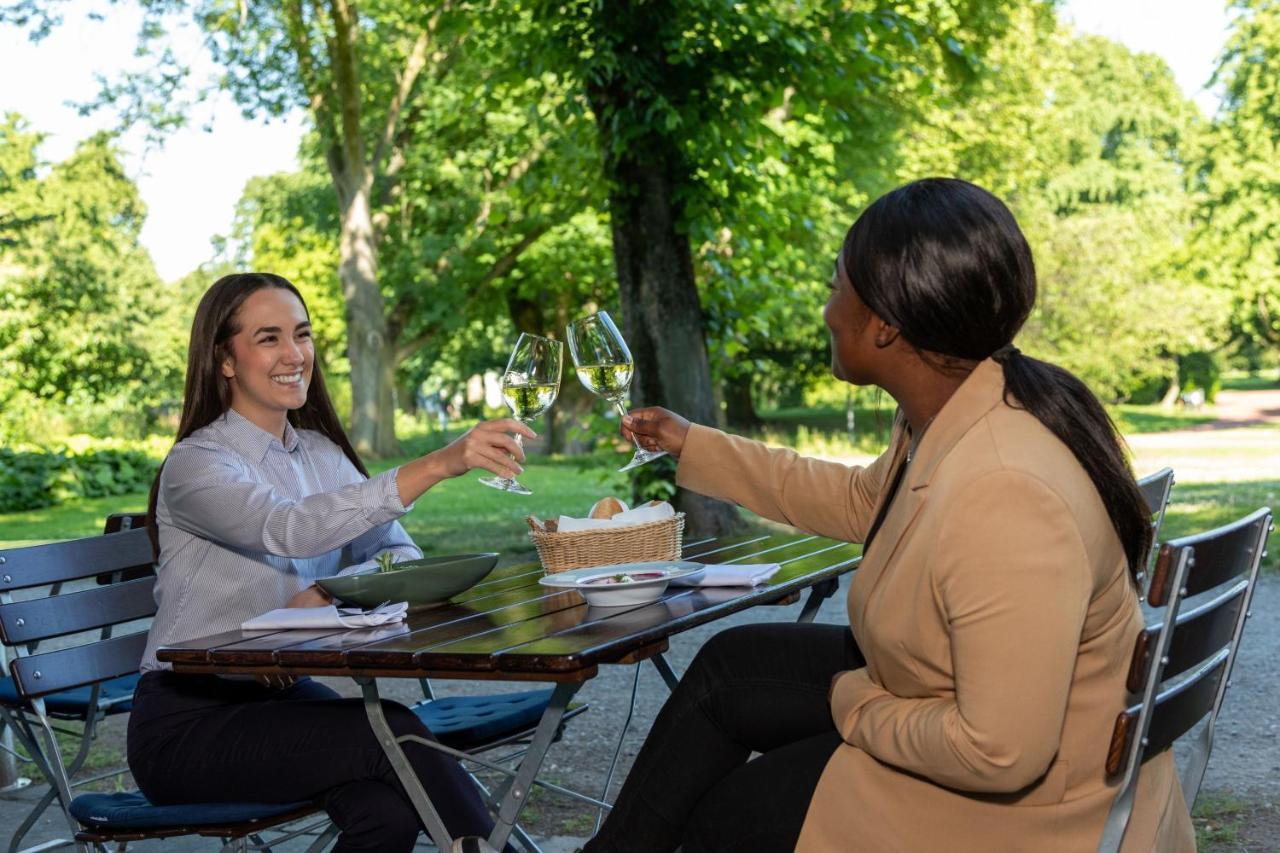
261 495
966 706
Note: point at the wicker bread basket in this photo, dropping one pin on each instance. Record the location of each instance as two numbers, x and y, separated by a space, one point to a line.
657 540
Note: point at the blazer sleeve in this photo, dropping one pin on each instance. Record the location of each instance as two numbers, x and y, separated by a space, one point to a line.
826 498
1011 571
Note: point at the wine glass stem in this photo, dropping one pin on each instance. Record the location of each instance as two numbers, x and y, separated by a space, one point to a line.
622 412
519 442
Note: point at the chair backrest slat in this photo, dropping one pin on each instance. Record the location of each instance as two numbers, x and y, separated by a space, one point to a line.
1220 555
1182 664
40 674
1189 701
118 521
70 613
58 562
1199 632
1155 490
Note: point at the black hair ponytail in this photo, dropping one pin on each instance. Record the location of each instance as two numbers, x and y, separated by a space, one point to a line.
944 262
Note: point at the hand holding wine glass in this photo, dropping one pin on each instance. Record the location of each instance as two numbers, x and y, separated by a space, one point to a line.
529 387
604 365
656 428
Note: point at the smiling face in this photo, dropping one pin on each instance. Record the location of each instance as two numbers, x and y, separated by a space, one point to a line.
271 358
851 324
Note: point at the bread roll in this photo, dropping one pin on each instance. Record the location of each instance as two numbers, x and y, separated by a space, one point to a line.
607 508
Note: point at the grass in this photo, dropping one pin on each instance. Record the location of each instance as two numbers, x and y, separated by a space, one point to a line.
1266 381
456 516
1195 507
1217 818
461 515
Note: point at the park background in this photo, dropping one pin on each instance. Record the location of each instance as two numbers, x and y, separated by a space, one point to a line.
471 170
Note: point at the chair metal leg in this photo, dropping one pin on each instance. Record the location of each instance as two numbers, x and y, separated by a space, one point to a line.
668 676
1118 820
52 760
1193 773
324 839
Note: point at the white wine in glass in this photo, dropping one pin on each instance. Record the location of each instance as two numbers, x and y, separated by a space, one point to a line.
604 365
529 387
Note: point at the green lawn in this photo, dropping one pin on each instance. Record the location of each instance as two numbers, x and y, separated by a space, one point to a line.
461 515
456 516
1265 381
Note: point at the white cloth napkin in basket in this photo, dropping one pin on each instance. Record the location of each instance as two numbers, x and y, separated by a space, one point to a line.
730 574
640 515
328 616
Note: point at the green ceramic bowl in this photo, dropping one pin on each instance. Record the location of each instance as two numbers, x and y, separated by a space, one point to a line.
422 583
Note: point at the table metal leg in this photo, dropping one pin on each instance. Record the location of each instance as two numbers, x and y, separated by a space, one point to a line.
818 593
543 737
664 669
404 771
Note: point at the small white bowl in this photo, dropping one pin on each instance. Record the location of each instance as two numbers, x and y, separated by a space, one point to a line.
647 581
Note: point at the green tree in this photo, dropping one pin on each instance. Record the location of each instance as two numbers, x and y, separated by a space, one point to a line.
686 98
1238 242
84 320
1094 148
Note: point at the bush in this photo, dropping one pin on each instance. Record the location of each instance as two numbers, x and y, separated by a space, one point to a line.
34 479
1200 371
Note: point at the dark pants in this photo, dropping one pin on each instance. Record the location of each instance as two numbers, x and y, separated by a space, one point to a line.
197 739
755 688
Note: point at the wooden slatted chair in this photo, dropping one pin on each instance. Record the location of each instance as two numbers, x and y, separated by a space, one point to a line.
94 673
1155 489
1180 667
103 674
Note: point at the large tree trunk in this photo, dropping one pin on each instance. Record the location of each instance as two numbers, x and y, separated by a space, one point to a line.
369 347
662 314
740 408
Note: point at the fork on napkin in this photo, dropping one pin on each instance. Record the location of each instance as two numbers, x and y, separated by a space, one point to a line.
729 574
328 616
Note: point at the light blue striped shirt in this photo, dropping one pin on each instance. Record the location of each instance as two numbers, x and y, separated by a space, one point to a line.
246 520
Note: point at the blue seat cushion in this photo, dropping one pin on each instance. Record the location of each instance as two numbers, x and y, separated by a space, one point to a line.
75 703
134 811
465 722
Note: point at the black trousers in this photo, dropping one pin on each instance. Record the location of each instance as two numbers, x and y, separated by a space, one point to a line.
197 739
755 688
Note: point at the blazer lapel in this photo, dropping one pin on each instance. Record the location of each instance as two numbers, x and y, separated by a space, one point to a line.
982 391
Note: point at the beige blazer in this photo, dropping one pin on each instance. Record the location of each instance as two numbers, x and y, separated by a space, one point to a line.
996 615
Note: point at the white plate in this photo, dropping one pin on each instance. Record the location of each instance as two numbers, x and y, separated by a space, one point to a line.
586 581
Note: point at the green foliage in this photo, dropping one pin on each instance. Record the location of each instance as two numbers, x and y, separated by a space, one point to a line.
1200 371
33 479
1235 249
81 308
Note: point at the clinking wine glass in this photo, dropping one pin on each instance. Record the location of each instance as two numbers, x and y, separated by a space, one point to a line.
529 387
604 365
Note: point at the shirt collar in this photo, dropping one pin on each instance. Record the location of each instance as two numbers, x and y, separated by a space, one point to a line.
253 440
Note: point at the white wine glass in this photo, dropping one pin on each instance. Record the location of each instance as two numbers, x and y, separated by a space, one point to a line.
529 387
604 365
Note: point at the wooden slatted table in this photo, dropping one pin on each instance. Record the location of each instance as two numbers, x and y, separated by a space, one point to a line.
509 627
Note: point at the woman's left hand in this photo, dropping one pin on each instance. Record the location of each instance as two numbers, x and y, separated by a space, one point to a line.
312 596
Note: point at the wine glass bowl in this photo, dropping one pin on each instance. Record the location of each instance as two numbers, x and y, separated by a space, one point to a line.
605 367
529 387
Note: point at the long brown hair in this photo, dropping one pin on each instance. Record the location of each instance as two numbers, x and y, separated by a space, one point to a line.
208 394
944 261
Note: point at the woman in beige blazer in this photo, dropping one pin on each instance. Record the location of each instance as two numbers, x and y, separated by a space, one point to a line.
992 616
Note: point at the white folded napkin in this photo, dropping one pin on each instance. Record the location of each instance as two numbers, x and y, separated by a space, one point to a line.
328 616
729 574
639 515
